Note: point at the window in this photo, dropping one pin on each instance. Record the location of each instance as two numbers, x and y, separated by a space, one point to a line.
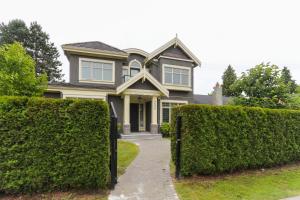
176 75
167 111
96 70
135 67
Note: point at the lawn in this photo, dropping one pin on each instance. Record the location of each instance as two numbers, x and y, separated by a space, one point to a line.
127 152
269 184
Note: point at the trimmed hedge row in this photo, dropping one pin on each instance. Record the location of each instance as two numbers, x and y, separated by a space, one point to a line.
219 139
53 144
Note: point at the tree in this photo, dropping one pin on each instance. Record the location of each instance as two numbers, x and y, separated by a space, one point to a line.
17 72
262 82
37 45
229 77
287 79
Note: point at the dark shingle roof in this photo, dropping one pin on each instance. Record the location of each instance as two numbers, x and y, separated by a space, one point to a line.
206 99
96 45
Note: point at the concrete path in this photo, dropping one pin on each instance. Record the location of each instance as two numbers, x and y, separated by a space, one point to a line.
148 176
293 198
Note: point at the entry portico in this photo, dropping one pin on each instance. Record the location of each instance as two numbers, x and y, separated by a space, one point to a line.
141 104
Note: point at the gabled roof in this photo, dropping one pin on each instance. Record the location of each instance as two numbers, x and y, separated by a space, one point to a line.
94 47
137 51
145 75
174 42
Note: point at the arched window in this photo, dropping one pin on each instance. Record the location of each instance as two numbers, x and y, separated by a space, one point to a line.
135 67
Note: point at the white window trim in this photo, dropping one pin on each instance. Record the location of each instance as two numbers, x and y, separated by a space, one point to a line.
174 86
96 81
168 101
135 60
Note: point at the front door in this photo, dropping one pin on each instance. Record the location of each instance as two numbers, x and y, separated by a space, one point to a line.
134 117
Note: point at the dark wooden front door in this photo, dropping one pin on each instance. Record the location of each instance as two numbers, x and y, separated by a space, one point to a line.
134 117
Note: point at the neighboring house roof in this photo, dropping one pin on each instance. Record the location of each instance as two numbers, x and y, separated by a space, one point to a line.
136 51
174 42
94 47
145 75
206 99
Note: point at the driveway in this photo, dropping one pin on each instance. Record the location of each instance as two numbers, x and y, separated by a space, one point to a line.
148 176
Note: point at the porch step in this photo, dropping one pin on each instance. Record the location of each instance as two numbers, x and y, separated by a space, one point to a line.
140 136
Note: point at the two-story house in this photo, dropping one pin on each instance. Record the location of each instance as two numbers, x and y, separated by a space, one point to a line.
142 86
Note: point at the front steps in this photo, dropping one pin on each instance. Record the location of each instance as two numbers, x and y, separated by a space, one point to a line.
140 135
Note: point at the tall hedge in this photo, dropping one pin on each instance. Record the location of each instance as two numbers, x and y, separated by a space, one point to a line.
48 144
220 139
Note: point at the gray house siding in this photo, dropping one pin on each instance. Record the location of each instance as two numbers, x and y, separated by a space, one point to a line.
143 85
119 106
74 71
175 52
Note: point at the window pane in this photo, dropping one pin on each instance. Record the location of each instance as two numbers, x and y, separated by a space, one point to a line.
165 105
86 64
124 72
165 115
168 69
97 65
176 78
184 79
107 74
168 78
185 71
97 73
134 71
85 73
177 71
135 64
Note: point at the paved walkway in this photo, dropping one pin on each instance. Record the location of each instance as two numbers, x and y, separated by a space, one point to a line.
148 176
293 198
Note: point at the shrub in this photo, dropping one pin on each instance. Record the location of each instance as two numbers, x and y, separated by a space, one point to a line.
165 129
219 139
53 144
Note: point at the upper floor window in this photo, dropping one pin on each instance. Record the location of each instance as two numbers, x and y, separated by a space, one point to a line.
129 71
96 70
176 75
135 67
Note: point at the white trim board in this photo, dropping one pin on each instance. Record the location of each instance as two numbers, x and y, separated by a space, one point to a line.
145 75
174 42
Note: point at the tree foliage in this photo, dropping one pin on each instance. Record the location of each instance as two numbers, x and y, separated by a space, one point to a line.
287 79
262 81
229 77
37 44
17 72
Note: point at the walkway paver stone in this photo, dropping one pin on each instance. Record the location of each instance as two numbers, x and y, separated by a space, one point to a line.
148 176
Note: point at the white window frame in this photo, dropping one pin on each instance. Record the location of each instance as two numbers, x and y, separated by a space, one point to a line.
135 60
177 67
170 113
96 81
130 63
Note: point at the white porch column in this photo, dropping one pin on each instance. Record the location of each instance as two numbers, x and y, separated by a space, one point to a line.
154 126
126 120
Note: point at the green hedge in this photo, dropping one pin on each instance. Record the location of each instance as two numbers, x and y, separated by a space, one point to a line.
48 144
219 139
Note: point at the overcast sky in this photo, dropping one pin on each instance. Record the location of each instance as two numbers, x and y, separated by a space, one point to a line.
242 33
